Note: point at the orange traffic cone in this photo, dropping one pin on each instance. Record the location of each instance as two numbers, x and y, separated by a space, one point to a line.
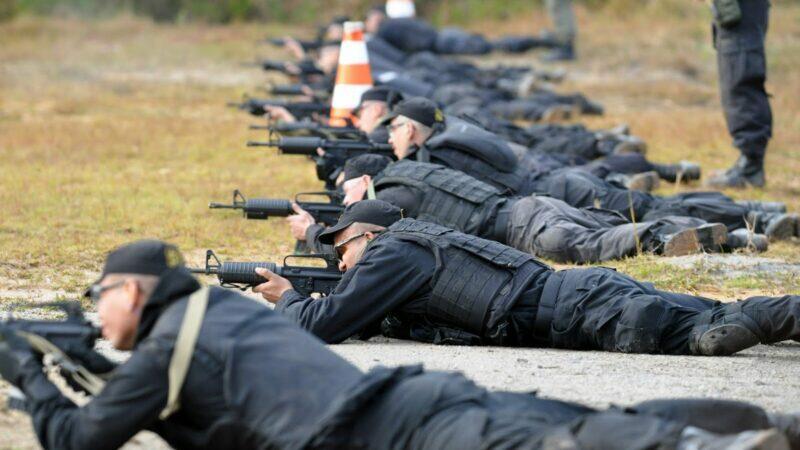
353 76
400 9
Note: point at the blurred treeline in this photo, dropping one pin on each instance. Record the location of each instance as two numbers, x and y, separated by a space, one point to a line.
294 11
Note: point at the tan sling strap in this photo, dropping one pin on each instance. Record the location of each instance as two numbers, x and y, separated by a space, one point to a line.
184 348
371 191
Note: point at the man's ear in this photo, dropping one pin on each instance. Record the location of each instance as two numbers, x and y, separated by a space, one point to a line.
366 179
137 296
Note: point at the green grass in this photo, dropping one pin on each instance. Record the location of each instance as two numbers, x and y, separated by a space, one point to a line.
116 130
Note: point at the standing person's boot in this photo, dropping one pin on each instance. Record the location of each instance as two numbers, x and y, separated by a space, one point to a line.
565 52
746 172
683 170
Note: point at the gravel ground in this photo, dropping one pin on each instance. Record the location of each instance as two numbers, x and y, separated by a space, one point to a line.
764 375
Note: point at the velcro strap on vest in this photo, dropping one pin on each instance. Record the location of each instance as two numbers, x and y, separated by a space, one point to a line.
184 349
500 230
547 305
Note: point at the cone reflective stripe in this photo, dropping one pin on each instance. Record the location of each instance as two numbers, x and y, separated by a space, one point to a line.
353 75
400 9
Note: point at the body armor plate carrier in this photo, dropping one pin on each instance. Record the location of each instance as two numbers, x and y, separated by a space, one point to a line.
449 198
476 152
476 281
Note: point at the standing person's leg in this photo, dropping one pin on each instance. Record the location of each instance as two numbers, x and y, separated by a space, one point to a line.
742 73
563 19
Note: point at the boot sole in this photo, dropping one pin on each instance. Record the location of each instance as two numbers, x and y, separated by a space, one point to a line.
644 182
683 243
628 147
712 236
782 229
726 340
770 439
559 113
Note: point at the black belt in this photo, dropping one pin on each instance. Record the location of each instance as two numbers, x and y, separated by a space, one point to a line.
500 230
547 305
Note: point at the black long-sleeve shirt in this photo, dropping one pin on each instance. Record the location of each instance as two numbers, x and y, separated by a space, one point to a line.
390 275
394 278
255 381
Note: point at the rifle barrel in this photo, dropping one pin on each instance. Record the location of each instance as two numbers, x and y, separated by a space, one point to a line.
262 144
214 205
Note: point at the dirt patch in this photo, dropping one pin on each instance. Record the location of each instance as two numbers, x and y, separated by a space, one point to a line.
732 266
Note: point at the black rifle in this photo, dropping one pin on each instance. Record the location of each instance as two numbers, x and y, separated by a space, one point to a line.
315 129
306 280
290 90
50 337
308 146
301 110
263 208
337 152
307 45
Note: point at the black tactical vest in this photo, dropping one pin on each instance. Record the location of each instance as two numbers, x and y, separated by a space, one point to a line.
477 152
476 281
449 198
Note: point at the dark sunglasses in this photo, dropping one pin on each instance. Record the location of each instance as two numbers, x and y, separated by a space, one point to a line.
96 291
338 247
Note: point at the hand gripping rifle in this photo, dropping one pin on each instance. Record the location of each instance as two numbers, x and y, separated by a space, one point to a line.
51 338
263 208
306 280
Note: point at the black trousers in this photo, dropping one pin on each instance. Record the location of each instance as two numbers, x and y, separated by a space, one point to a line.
549 228
581 189
601 309
742 72
406 407
533 107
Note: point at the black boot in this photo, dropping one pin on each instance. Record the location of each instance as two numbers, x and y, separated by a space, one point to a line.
723 339
644 182
770 207
746 172
744 238
789 425
776 226
769 439
684 171
564 52
710 237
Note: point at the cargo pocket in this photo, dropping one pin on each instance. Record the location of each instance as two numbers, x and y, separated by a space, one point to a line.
640 325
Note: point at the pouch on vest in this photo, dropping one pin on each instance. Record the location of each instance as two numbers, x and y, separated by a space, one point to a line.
727 13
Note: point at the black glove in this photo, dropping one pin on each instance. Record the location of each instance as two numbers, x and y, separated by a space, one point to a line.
90 359
17 358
